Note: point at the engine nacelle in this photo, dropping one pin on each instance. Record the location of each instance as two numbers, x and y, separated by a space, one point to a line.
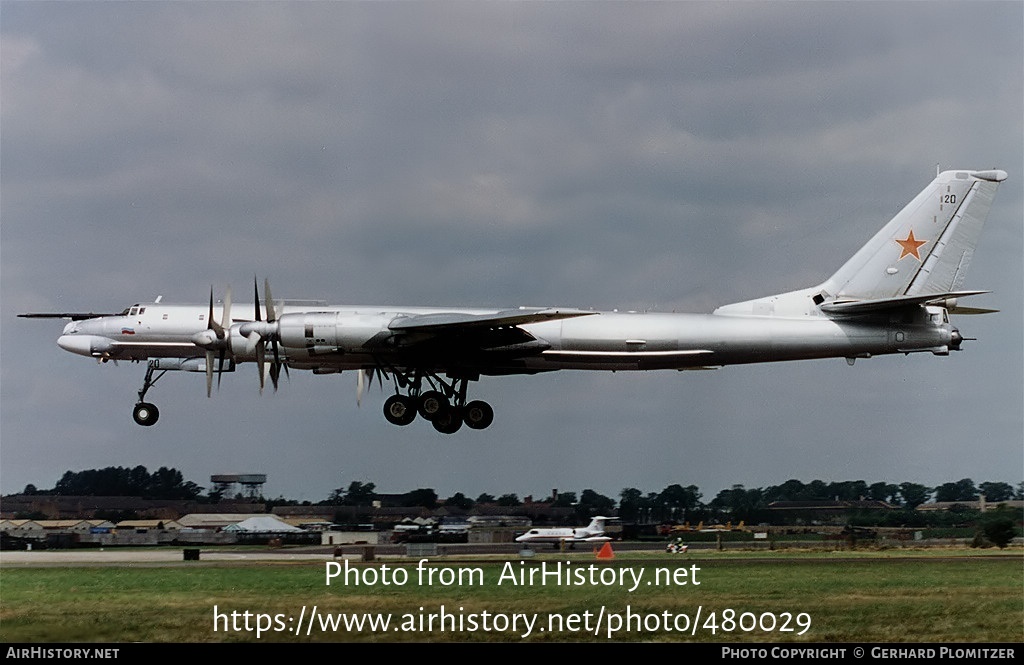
333 332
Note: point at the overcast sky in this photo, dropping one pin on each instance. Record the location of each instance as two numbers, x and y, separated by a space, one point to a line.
664 156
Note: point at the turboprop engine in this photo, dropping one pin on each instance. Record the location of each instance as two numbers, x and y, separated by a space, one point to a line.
308 334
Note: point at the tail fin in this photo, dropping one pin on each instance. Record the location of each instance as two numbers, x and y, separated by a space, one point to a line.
597 524
921 255
927 246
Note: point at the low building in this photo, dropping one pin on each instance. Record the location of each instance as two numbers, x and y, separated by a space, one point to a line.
823 512
141 526
214 521
23 529
263 524
980 505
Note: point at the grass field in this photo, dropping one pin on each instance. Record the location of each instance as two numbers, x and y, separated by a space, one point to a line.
896 596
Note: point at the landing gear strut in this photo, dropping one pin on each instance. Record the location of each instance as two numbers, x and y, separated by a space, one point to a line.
443 405
145 413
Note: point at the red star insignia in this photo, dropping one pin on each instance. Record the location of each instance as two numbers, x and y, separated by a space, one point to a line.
910 246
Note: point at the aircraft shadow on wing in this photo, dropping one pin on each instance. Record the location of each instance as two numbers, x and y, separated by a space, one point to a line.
893 296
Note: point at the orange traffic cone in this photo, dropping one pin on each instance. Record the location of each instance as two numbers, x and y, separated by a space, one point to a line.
606 552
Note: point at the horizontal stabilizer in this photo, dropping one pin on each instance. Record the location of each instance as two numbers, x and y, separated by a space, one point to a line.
864 307
460 320
971 310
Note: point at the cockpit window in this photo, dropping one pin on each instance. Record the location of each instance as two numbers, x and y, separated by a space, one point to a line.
133 311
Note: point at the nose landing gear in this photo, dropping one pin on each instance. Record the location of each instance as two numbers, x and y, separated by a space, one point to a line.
145 413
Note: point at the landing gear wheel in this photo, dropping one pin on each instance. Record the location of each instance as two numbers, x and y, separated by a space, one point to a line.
145 414
432 403
478 414
399 410
448 420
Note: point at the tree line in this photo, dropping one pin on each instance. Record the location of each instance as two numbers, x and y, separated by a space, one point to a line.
674 503
164 483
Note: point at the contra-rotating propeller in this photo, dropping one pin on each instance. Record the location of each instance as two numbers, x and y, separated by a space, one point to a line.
259 331
215 338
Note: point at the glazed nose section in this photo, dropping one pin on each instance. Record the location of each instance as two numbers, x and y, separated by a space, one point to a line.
84 345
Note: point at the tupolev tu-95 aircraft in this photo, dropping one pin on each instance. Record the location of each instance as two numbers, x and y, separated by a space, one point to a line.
893 296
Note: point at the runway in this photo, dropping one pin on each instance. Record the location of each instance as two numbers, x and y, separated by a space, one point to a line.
152 556
177 555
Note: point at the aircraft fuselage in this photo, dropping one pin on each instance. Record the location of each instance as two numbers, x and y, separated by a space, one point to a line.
346 338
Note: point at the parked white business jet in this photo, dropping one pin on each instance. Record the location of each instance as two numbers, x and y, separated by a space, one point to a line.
592 533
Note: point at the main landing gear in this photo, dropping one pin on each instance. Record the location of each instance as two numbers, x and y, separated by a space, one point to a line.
144 413
444 405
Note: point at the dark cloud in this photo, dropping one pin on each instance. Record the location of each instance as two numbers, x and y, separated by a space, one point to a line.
640 156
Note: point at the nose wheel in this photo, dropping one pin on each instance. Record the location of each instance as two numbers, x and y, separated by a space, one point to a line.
145 414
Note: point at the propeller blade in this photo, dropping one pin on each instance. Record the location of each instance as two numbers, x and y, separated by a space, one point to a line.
210 323
275 369
360 386
271 315
226 326
220 366
209 317
275 372
209 372
225 320
256 289
261 362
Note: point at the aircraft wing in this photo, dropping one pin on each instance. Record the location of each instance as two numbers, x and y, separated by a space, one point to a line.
74 316
455 321
878 305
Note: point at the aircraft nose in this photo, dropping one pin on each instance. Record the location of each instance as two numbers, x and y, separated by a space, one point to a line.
84 345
